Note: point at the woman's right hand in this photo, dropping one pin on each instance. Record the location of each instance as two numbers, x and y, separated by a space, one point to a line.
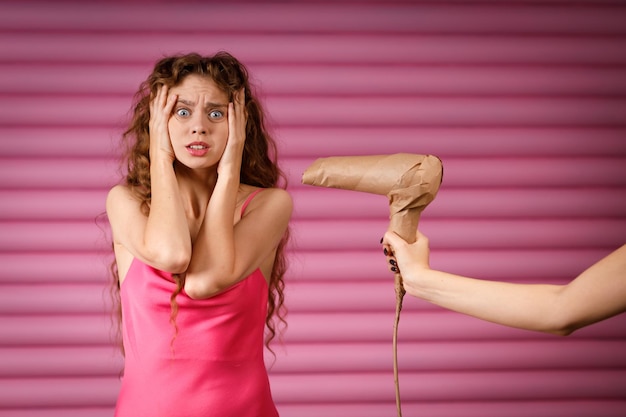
411 260
160 111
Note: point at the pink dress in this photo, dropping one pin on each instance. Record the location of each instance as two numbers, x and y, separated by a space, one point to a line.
215 365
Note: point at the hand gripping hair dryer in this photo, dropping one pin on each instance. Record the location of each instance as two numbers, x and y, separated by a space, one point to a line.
410 183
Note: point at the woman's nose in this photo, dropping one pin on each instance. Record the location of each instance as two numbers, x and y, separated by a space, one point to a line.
199 125
200 130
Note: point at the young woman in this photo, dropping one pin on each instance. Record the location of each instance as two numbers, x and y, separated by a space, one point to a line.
199 227
596 294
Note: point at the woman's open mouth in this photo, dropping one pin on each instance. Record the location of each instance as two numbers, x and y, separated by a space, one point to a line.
198 148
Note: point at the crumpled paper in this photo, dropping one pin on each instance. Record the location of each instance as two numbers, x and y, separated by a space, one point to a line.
410 182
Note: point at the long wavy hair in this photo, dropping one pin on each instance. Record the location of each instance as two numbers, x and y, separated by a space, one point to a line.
259 167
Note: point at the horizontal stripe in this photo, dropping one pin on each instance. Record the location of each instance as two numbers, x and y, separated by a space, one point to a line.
449 17
454 356
316 141
348 111
476 172
332 266
353 327
371 48
332 80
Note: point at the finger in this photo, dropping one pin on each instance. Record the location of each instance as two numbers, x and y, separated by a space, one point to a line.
158 95
236 113
393 264
157 102
231 117
387 250
240 97
163 94
240 104
153 101
169 105
165 100
392 239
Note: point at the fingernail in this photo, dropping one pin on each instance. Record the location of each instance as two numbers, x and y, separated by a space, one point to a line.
392 262
394 269
381 240
385 251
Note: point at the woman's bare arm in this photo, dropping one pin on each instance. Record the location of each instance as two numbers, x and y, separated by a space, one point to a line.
161 239
596 294
225 253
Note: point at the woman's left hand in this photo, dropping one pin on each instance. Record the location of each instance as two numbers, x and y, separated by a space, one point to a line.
237 117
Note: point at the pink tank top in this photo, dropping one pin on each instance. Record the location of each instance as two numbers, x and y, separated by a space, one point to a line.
214 367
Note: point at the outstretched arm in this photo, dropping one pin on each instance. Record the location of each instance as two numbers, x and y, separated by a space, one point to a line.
596 294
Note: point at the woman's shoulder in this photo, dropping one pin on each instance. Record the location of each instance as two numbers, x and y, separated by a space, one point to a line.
279 195
118 191
121 195
273 198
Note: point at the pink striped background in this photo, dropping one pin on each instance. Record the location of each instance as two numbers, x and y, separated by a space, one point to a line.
524 101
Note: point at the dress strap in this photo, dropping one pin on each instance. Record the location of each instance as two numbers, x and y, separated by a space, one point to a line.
249 199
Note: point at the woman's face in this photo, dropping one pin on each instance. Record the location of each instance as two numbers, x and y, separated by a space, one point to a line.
198 126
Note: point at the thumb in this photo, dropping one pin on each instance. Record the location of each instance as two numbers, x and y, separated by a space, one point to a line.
393 239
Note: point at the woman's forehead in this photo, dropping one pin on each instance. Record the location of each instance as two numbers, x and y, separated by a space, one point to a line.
194 86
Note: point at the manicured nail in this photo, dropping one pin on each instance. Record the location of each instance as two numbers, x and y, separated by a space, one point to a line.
385 251
381 240
392 262
394 269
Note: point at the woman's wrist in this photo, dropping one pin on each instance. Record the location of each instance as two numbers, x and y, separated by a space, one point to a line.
229 171
416 280
161 169
161 156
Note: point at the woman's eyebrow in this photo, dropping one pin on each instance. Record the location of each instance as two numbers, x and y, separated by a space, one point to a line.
207 105
211 104
185 102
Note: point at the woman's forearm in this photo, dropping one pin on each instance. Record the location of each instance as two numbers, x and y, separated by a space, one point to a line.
594 295
213 266
166 237
597 293
219 235
527 306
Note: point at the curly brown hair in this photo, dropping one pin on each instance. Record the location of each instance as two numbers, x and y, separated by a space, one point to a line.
259 167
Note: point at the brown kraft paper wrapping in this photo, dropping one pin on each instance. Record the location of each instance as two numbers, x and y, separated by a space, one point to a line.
409 181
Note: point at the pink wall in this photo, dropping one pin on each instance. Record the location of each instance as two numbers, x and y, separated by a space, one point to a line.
525 102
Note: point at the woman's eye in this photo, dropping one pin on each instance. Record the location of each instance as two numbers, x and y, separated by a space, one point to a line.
183 112
215 114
